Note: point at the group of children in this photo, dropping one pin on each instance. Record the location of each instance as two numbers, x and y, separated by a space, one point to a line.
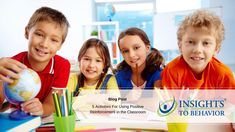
200 37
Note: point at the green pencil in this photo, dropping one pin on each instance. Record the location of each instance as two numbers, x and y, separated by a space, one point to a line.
71 102
56 103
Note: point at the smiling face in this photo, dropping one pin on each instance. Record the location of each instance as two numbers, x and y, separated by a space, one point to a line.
134 50
198 46
45 39
91 65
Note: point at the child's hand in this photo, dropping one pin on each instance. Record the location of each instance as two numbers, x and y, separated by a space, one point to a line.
33 107
10 67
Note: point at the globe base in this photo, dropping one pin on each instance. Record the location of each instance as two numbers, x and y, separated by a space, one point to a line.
19 115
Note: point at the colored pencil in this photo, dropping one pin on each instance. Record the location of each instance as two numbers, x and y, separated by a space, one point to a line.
137 74
57 107
65 103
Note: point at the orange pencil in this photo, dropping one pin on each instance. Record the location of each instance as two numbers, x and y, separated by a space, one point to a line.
137 72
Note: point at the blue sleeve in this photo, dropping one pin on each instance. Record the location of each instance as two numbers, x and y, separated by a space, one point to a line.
157 75
152 78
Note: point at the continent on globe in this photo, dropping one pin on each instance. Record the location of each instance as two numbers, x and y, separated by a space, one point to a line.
23 89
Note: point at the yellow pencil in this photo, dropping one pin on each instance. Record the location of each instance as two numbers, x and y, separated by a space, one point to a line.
56 103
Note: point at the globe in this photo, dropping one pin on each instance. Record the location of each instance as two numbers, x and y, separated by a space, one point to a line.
109 11
21 90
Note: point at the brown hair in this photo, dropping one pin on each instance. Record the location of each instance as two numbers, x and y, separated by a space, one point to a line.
154 57
49 14
134 31
103 52
205 20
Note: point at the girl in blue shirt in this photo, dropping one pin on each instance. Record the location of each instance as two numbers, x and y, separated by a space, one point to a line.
141 67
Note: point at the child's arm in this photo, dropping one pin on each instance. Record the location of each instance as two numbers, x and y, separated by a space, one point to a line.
48 105
10 67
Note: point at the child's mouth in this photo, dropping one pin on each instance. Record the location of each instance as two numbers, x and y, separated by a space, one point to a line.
197 58
90 71
40 52
134 61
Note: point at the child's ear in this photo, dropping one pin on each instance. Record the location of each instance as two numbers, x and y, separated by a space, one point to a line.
26 33
105 69
217 49
180 46
148 48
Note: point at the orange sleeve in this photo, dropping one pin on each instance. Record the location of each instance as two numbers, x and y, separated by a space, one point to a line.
227 81
222 75
169 75
168 80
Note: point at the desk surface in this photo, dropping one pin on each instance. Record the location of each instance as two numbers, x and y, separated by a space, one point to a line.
120 123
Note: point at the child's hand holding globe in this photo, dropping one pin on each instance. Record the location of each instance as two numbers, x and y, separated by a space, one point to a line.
21 90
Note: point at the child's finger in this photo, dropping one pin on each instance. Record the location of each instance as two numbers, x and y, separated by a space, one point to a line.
34 107
15 65
9 73
36 113
35 110
11 64
27 102
5 79
31 103
19 64
30 106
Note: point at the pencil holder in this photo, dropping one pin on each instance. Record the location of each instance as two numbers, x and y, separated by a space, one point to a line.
177 127
176 123
64 123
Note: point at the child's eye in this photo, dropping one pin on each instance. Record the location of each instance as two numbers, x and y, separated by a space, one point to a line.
99 60
190 42
137 47
206 43
54 40
38 34
125 51
87 59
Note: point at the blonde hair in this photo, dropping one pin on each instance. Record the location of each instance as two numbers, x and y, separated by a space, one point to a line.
205 20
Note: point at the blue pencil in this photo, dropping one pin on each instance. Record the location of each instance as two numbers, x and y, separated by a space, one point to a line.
62 105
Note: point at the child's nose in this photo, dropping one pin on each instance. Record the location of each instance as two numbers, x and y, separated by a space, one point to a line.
92 63
44 43
131 53
198 48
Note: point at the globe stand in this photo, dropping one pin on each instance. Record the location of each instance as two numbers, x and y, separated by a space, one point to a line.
19 115
21 90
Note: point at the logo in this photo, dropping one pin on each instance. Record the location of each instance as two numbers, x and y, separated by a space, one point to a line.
167 107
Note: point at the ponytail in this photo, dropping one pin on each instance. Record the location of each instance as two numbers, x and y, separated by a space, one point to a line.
154 62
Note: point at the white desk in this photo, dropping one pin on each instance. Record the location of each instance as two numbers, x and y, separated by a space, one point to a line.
120 124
